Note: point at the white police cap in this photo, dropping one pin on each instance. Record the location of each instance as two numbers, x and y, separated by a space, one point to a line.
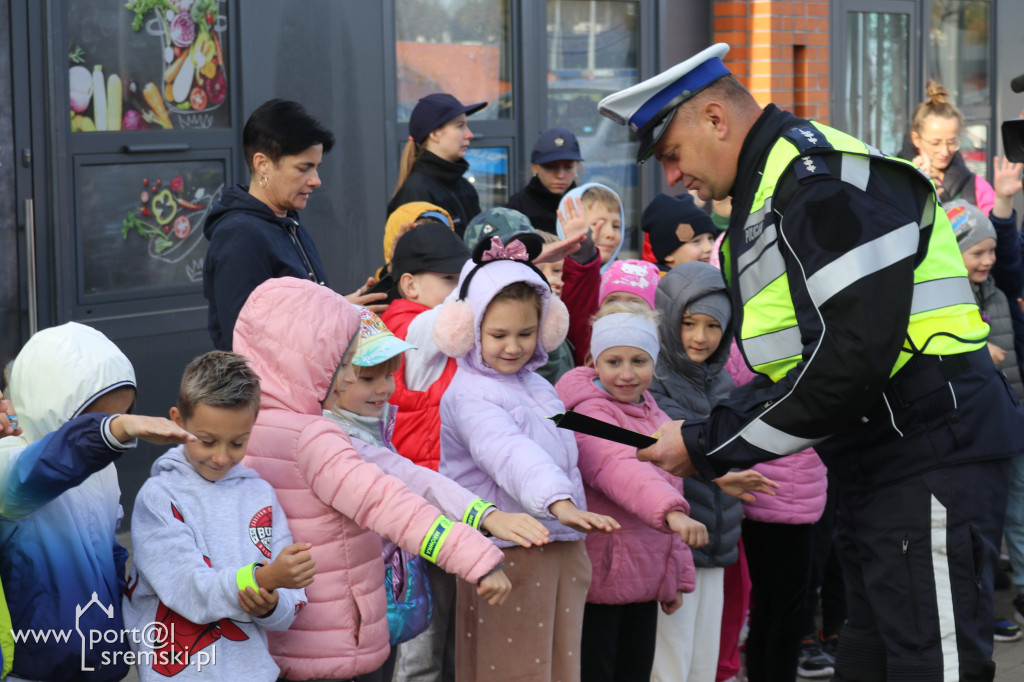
648 107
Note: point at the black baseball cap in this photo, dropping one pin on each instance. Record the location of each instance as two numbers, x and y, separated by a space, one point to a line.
434 110
431 247
555 144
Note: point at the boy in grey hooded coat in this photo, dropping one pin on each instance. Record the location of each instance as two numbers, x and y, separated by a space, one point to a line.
685 389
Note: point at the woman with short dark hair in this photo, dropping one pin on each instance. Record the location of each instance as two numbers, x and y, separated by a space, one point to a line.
254 231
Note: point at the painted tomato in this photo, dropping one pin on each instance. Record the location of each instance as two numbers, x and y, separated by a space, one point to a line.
197 98
182 226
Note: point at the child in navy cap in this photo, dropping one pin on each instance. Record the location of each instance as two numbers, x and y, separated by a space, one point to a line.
433 161
555 163
679 231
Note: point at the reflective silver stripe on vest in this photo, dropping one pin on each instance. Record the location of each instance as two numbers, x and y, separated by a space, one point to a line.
856 171
769 438
862 261
768 236
940 293
765 348
769 267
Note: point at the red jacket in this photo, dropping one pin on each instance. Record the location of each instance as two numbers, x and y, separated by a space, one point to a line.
417 433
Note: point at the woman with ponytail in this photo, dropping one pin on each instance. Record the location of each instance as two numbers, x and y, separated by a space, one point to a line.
433 161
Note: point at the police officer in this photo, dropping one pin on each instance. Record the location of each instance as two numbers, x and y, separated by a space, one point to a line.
853 307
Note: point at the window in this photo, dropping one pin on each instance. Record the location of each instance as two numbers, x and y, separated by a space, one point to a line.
593 52
961 50
877 78
456 46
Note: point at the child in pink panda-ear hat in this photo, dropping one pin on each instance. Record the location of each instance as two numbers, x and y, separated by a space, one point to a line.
497 441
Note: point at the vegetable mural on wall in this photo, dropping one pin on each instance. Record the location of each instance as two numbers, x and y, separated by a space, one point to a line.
176 76
142 223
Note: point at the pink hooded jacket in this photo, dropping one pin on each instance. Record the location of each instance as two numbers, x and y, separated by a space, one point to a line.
800 497
294 334
644 561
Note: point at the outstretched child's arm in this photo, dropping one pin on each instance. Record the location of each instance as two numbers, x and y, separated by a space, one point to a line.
66 457
568 514
743 484
494 587
694 533
521 529
156 430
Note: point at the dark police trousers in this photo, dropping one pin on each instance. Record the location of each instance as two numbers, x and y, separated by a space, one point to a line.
922 484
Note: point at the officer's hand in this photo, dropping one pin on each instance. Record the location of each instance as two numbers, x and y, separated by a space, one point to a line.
669 453
997 353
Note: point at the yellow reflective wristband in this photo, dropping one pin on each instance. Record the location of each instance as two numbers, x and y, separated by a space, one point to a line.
246 576
475 513
431 546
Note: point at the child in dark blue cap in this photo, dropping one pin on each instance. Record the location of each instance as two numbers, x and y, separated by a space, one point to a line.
433 161
555 163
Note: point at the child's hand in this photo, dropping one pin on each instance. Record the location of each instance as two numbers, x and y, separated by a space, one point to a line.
670 607
521 529
568 514
156 430
572 221
494 587
693 533
8 418
258 604
360 297
557 251
742 483
1006 177
997 353
293 567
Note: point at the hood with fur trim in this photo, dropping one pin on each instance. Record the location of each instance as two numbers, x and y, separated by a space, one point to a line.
577 193
457 325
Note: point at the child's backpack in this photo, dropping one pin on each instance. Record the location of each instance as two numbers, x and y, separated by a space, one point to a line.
408 591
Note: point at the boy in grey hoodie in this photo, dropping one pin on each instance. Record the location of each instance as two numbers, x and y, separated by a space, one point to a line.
214 564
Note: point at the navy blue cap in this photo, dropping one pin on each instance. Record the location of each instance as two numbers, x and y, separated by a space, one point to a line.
555 144
648 107
434 110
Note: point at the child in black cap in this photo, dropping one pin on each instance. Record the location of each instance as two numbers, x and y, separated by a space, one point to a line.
426 266
679 231
433 161
555 163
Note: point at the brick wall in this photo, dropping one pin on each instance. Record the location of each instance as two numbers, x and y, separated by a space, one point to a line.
779 51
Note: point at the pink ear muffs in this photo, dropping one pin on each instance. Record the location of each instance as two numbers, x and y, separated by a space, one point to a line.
455 330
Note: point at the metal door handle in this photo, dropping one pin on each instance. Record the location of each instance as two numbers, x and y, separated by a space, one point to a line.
30 266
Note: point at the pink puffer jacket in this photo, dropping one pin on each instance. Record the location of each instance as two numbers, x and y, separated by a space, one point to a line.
294 334
644 561
802 480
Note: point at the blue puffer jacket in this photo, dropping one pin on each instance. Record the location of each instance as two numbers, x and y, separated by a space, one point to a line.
687 390
61 564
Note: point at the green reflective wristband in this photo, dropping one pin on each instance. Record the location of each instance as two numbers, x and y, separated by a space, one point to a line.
431 546
246 576
475 513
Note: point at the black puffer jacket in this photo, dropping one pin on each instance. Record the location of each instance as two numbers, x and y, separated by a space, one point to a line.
538 204
440 182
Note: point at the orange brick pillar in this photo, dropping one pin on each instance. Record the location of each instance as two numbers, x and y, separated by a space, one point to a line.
779 51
